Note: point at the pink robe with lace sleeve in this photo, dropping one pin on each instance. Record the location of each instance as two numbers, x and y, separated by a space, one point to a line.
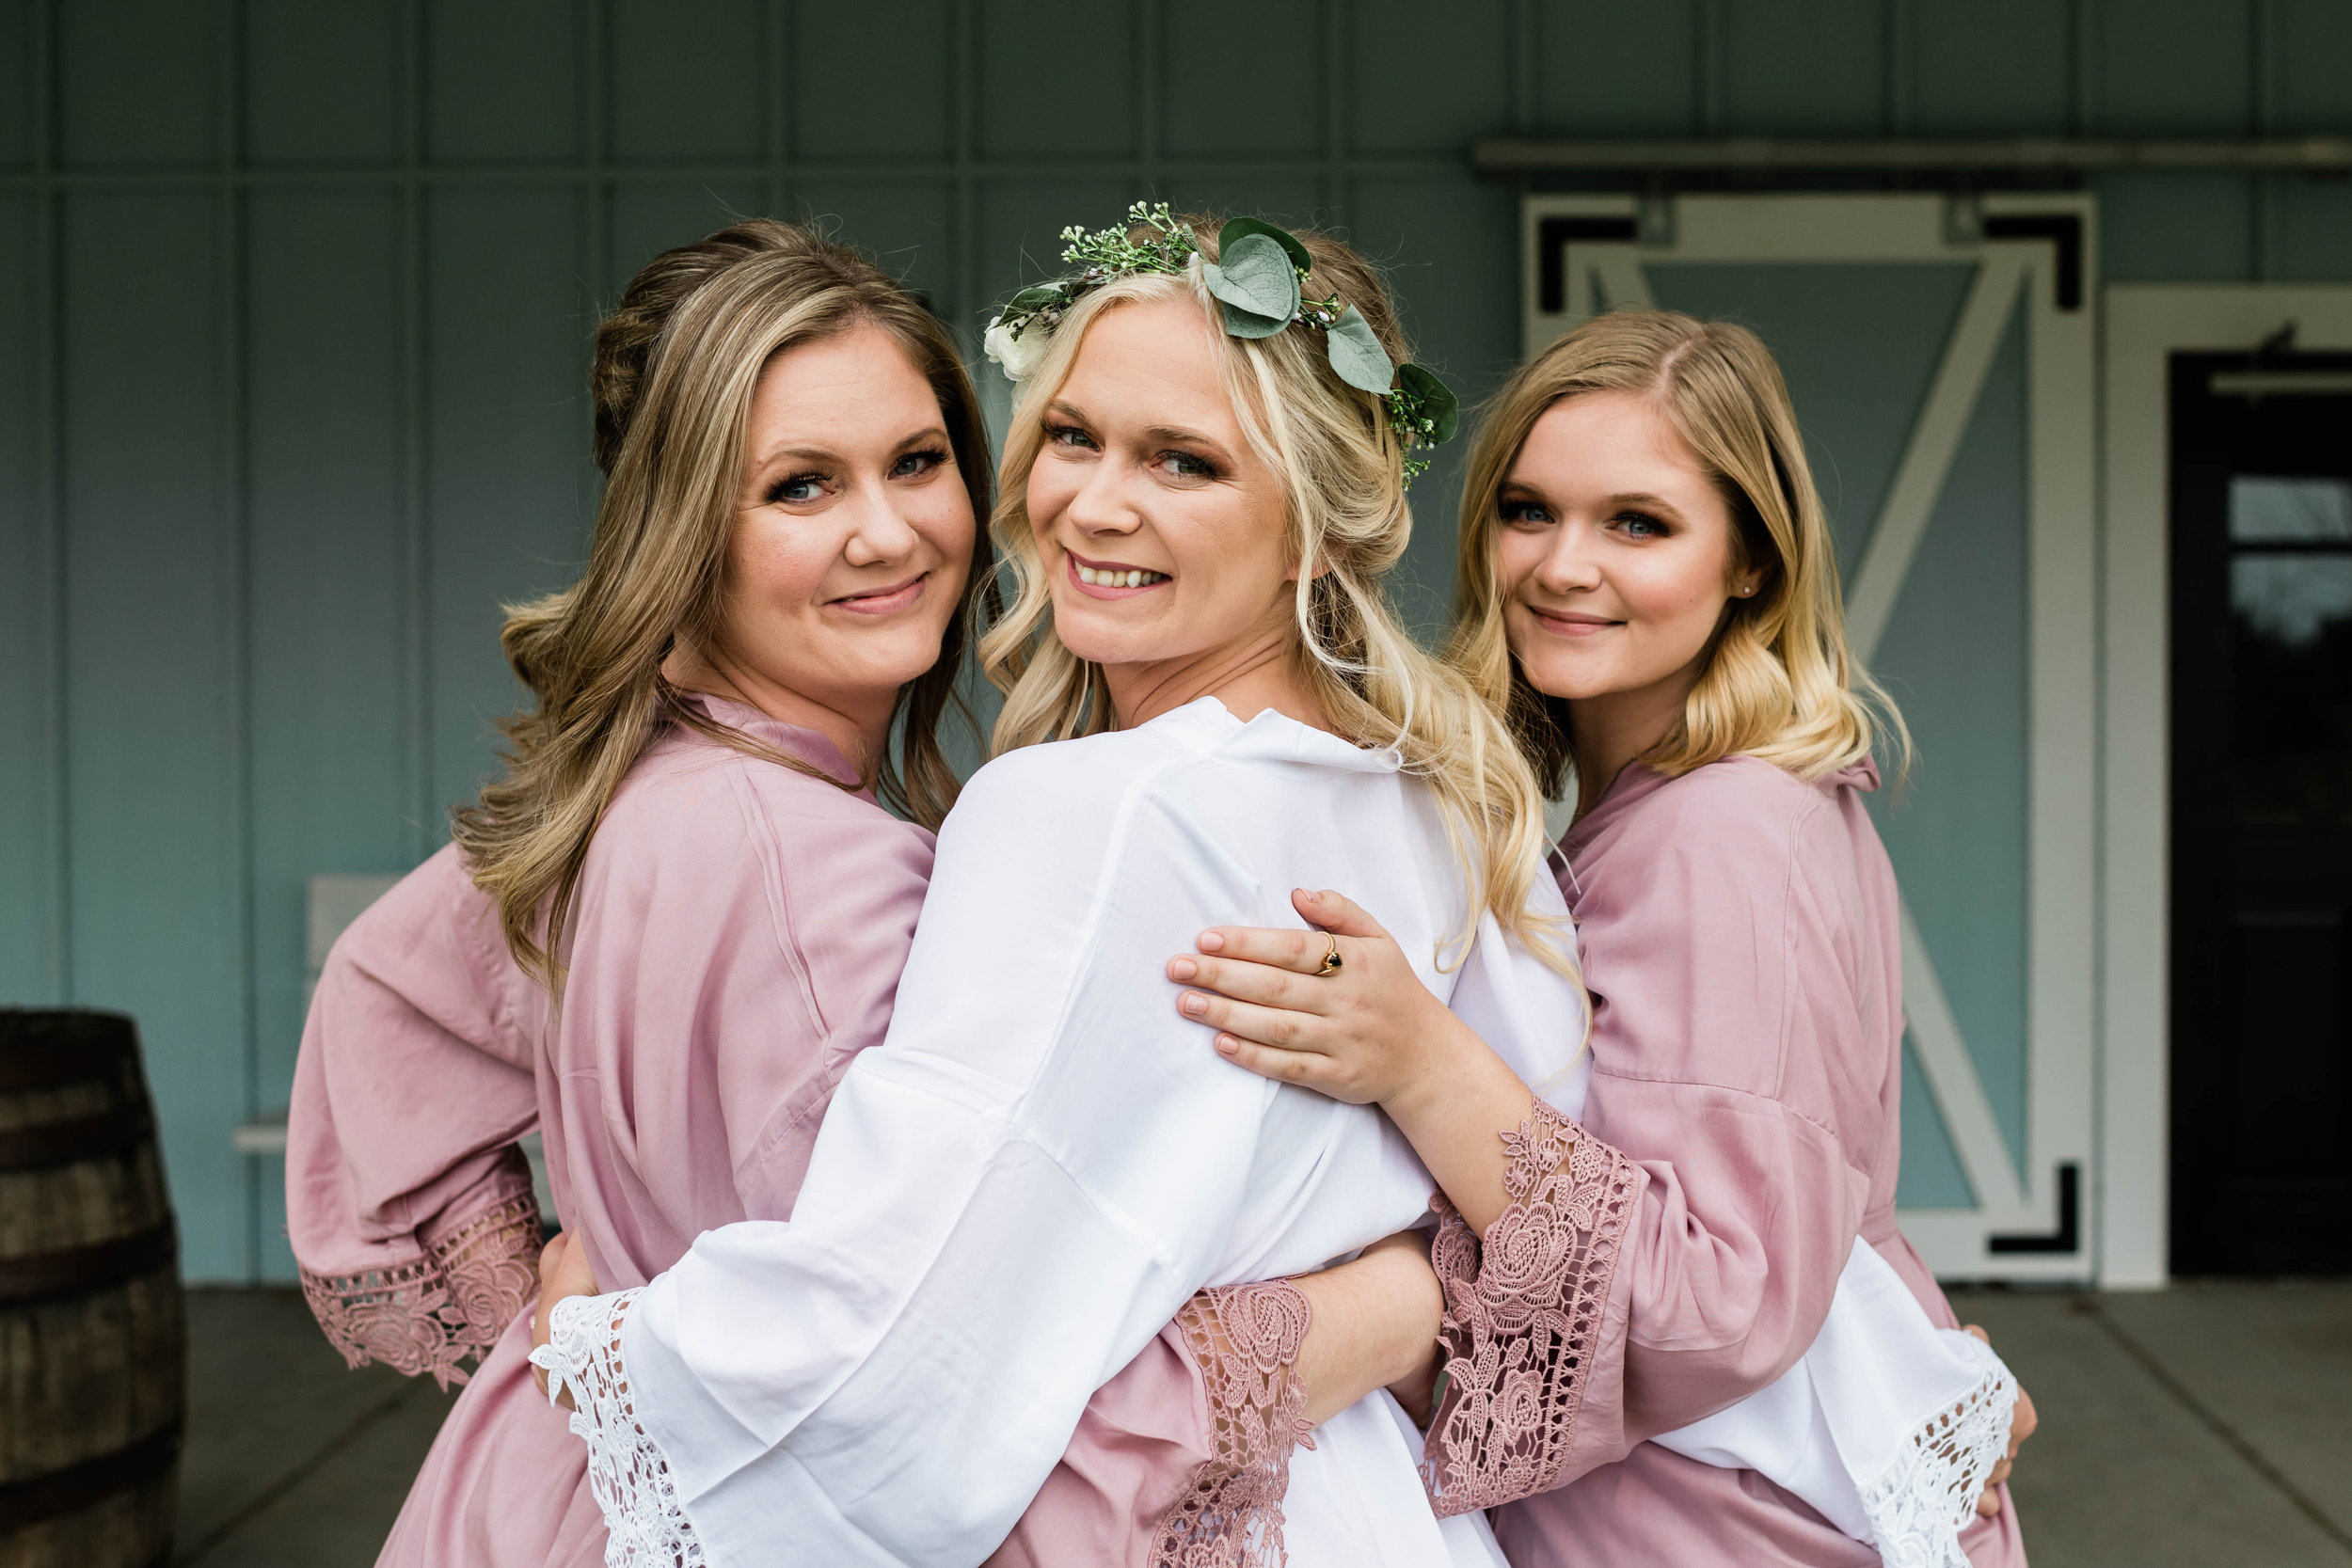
1741 939
738 935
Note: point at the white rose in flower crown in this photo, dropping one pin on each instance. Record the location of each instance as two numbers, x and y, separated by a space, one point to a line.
1018 355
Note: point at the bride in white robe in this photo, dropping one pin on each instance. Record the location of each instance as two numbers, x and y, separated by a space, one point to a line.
1042 1165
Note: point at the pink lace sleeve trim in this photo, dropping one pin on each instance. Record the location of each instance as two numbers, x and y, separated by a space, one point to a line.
453 1300
1246 1340
1523 1306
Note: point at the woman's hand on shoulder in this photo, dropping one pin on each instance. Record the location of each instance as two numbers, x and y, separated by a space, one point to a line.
1365 1030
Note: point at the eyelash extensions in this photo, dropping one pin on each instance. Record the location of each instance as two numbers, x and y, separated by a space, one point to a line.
776 492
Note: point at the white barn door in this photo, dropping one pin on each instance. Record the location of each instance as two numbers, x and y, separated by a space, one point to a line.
1940 351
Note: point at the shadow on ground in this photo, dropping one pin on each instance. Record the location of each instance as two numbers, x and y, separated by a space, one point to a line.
2201 1425
294 1460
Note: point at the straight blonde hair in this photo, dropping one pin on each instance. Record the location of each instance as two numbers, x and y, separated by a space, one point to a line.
675 366
1341 469
1780 683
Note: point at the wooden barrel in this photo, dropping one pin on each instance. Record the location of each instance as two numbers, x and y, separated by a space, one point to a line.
93 1353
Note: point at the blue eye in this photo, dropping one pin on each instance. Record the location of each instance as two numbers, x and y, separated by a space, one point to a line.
918 462
1641 525
1067 435
1187 466
796 490
1526 514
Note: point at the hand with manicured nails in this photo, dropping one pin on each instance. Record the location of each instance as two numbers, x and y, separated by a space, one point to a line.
1369 1033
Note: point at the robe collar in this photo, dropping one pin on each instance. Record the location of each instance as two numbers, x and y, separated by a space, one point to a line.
792 739
1638 782
1271 737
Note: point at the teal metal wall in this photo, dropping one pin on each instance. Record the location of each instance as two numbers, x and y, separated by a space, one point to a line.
294 301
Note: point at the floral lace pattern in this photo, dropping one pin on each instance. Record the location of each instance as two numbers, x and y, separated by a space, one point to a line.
1246 1340
1523 1304
452 1301
1927 1495
628 1474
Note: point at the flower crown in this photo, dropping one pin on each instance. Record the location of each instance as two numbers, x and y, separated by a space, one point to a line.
1256 283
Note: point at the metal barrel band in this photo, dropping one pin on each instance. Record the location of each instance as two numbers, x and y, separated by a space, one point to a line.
73 1271
46 1066
36 1499
62 1142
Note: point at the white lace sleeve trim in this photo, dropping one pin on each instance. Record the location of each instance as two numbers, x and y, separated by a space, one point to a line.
628 1473
1927 1494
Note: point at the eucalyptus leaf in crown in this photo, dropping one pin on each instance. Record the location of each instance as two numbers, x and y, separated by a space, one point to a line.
1258 283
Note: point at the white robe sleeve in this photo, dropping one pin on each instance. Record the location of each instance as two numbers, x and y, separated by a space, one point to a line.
1008 1199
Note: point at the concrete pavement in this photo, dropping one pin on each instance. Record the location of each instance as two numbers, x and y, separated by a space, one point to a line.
2208 1424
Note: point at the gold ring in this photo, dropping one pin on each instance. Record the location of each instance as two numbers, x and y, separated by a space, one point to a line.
1331 961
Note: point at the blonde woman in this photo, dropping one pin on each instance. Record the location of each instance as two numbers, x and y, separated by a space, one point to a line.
1647 593
1041 1163
664 933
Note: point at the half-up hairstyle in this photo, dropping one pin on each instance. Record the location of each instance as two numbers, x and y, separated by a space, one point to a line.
676 364
1780 682
1341 466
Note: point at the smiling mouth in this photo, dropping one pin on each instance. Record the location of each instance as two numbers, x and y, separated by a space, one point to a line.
884 601
1569 622
1111 580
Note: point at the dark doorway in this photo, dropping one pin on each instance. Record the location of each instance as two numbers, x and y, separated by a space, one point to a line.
2262 812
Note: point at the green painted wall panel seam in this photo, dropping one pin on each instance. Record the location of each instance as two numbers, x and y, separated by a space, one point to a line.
1899 63
1334 169
2082 35
235 443
1150 64
596 23
1527 48
2261 86
2261 100
1710 69
415 608
965 302
776 106
49 402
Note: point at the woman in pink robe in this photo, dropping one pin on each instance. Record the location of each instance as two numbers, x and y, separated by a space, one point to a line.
1678 1249
741 928
738 922
1740 935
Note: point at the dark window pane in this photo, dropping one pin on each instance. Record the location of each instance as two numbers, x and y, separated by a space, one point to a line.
2291 689
2265 511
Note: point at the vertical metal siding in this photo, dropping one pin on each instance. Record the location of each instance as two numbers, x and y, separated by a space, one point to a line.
294 302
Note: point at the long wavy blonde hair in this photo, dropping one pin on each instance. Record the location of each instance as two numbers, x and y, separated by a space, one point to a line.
676 364
1780 682
1341 469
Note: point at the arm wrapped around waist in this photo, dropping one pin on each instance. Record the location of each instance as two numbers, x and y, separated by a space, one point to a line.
1244 1340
